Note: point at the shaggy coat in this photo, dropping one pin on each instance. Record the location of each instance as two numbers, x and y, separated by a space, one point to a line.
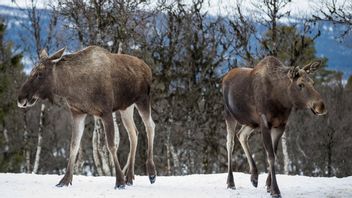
262 98
96 82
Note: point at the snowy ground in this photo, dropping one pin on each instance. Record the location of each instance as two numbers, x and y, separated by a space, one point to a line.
27 185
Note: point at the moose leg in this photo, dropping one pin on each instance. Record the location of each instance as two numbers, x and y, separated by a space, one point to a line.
231 127
128 122
110 139
144 109
243 136
274 189
276 134
77 132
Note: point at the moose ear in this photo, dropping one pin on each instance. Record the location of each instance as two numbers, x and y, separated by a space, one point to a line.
312 67
57 54
293 73
43 54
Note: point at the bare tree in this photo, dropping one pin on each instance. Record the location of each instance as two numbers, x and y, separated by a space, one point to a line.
243 27
40 140
337 12
102 158
273 11
27 151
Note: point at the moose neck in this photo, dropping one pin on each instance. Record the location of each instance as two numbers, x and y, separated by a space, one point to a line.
61 76
281 89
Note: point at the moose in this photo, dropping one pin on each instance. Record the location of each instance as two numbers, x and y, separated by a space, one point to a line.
96 82
263 98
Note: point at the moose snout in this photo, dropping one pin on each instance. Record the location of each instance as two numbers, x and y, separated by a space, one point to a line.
318 108
22 101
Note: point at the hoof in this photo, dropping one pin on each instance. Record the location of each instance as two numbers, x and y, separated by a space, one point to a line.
64 182
255 183
230 182
120 186
61 185
254 180
276 196
268 189
231 185
129 183
152 179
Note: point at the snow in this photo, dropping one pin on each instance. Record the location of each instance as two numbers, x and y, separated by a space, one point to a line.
214 185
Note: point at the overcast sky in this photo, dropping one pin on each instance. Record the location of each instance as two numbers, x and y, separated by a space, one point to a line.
223 7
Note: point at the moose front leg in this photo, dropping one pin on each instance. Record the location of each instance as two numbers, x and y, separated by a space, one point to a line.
266 132
110 139
276 134
77 132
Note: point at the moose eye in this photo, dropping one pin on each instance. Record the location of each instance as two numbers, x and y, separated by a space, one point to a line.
40 76
301 86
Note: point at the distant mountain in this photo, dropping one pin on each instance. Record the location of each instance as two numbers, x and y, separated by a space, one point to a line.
339 54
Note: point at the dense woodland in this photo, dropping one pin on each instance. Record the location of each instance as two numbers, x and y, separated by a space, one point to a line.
189 51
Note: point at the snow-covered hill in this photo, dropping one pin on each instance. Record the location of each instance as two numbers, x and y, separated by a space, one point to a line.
28 185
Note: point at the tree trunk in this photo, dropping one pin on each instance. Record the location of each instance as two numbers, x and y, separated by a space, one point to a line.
117 132
27 153
102 158
40 139
6 143
96 156
80 161
175 159
285 153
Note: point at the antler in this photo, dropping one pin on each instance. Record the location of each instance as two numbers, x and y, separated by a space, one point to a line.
311 67
293 72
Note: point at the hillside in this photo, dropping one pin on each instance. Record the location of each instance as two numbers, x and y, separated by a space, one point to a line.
28 185
339 54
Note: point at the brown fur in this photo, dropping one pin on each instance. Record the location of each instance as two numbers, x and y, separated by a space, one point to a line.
262 98
96 82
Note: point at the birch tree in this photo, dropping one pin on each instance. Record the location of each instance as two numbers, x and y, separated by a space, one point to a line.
27 151
40 140
102 159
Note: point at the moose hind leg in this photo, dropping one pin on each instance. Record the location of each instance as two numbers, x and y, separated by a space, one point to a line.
128 122
230 127
144 109
77 132
243 136
110 139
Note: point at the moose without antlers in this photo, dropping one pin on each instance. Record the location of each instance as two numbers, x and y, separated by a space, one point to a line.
96 82
263 98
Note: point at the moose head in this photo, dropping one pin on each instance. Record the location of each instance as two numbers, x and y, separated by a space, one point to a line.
40 83
301 89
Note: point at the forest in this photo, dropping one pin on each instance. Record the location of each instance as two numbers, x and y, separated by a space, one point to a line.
189 51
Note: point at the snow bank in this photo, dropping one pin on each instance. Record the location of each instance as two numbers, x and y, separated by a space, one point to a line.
29 185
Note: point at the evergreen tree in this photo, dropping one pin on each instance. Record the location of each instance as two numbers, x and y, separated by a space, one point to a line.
11 77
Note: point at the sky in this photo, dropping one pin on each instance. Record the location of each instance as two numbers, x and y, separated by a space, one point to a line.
215 7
